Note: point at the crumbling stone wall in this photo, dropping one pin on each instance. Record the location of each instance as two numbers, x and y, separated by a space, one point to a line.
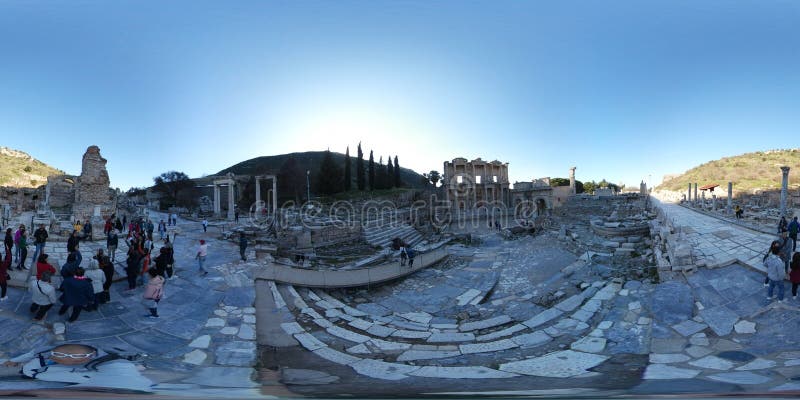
93 196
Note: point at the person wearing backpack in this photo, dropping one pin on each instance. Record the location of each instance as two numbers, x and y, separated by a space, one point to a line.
153 292
39 239
411 254
112 241
22 246
794 227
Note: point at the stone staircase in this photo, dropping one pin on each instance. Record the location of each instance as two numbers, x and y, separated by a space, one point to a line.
379 233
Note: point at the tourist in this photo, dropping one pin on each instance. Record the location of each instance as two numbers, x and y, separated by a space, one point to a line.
132 267
144 268
22 246
774 246
16 241
153 293
124 221
87 231
403 255
108 270
78 294
98 279
170 251
236 216
162 262
150 228
43 295
39 239
775 273
78 227
118 225
794 227
108 226
785 250
112 241
410 252
5 265
72 242
242 246
42 266
174 219
202 252
8 241
72 264
782 225
738 212
162 229
794 275
205 225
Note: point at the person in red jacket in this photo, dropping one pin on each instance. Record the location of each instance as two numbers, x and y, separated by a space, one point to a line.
42 265
794 275
4 266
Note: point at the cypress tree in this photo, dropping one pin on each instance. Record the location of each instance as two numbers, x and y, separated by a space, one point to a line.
347 173
360 169
371 171
329 177
389 174
397 181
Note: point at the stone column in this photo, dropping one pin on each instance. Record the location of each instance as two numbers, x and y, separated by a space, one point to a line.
231 187
217 207
689 194
258 191
730 198
572 180
784 189
274 195
695 193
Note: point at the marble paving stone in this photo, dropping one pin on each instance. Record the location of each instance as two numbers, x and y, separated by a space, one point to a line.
589 345
663 371
787 387
736 356
543 317
336 356
293 376
406 334
229 330
414 355
745 327
323 323
249 319
380 330
712 362
447 337
634 306
153 342
354 311
374 309
383 370
560 364
720 319
668 358
570 303
606 293
791 363
246 332
312 313
225 377
201 342
347 334
485 324
182 327
758 363
358 349
82 329
592 306
502 333
195 357
359 323
418 317
582 315
689 327
236 353
605 324
385 345
309 341
486 347
740 378
215 323
461 373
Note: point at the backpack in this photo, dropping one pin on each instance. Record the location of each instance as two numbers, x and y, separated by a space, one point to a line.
410 253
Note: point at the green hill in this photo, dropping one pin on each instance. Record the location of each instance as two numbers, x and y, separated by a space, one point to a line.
310 161
19 169
749 171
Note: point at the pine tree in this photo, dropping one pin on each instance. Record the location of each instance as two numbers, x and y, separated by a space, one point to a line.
371 171
389 174
329 177
347 174
397 181
360 169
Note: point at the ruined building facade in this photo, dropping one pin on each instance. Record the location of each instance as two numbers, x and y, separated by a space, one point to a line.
474 184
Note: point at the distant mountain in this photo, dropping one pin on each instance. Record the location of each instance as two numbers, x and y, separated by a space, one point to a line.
310 161
19 169
749 171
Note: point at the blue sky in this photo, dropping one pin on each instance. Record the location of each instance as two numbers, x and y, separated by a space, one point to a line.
623 90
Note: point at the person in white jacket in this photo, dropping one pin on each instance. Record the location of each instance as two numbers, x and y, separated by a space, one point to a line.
98 278
776 272
43 295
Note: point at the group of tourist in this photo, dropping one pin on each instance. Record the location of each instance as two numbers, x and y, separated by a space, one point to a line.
782 260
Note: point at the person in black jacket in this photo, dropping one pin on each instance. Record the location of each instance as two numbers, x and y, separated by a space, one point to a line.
132 267
78 294
242 246
39 239
112 241
72 242
162 261
8 241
